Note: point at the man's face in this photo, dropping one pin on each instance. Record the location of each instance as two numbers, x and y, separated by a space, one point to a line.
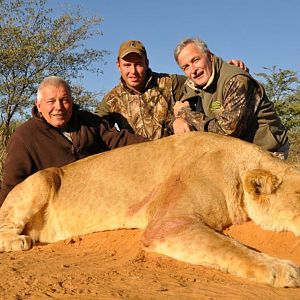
55 105
133 68
196 64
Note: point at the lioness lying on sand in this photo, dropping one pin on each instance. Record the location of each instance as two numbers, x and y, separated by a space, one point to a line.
182 190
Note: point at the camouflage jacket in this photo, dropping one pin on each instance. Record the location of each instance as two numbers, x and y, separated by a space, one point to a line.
149 113
233 103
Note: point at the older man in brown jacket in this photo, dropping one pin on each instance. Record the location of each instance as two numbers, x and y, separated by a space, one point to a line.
57 134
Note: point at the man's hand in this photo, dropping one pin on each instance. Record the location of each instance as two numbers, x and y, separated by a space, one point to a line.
178 105
181 126
238 63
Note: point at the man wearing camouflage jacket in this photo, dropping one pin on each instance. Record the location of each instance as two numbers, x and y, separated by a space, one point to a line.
231 102
143 101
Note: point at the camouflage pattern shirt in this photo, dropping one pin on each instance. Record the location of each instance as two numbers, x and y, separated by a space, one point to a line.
150 113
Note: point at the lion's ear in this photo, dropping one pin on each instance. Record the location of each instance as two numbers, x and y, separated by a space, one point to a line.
259 182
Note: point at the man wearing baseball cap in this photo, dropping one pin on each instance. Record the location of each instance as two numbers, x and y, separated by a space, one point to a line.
143 100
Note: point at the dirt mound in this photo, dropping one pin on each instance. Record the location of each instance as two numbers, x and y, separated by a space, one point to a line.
113 265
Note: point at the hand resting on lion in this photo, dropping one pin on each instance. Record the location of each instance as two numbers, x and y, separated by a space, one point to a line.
181 190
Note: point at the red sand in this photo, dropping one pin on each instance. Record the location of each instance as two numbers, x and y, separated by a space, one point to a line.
112 265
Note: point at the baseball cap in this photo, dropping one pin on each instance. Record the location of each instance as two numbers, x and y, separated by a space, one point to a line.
132 46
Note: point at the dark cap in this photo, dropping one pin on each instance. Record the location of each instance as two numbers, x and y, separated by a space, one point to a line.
132 46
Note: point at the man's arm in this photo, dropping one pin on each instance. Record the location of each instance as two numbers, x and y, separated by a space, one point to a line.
113 138
104 110
178 125
238 101
110 113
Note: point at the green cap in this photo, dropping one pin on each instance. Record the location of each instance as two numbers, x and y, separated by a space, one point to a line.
132 46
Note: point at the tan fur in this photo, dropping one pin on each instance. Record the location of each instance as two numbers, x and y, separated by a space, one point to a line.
182 190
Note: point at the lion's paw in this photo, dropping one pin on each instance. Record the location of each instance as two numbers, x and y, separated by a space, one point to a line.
277 272
15 242
286 274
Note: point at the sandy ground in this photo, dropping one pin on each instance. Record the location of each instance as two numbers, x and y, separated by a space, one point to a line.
113 265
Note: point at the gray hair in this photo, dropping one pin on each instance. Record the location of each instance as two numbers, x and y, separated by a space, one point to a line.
54 81
197 41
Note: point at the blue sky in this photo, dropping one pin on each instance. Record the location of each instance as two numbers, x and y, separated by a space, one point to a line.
262 33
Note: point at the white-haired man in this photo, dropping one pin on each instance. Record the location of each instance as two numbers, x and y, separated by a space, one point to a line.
57 134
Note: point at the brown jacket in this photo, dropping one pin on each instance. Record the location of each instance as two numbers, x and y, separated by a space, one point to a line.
36 145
